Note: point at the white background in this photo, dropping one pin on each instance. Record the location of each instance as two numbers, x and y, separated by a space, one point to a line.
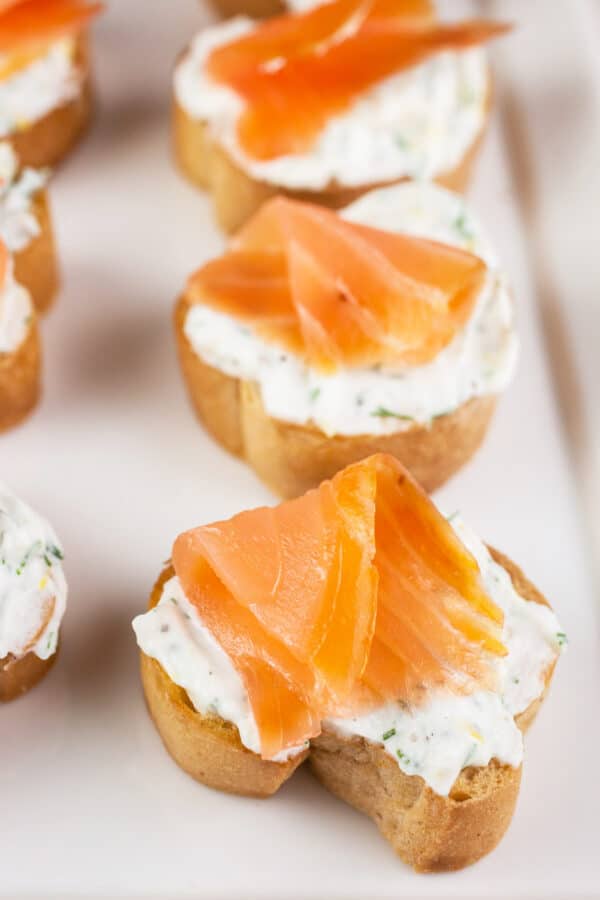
90 803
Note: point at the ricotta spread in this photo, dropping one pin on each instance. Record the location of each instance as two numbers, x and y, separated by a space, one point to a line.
18 222
33 590
35 90
15 313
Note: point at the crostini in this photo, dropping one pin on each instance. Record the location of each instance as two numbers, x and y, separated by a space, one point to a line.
319 338
45 86
358 627
26 228
33 596
19 348
328 103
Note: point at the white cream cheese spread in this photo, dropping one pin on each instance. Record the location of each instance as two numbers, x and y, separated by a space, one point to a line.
15 313
35 90
33 590
480 360
418 123
18 222
435 741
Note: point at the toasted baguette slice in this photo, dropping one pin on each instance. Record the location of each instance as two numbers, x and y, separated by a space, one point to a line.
429 832
256 9
20 379
206 747
35 266
47 141
17 676
291 458
237 196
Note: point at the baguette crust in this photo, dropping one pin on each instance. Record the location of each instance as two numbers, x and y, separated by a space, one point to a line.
206 747
237 196
256 9
47 141
429 832
17 676
292 458
20 379
35 265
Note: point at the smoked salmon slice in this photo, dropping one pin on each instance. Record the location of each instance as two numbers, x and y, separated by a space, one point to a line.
338 293
28 26
297 71
356 593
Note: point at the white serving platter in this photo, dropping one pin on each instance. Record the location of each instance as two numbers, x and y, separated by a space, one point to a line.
90 804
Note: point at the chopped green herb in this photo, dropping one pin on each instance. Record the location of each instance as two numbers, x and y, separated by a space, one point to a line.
56 551
561 637
50 640
47 560
461 226
388 734
314 394
383 413
452 516
173 600
402 756
516 680
25 560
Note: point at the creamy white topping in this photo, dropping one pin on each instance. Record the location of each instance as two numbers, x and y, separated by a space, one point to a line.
418 123
15 313
32 92
479 361
173 633
435 741
448 733
18 222
33 590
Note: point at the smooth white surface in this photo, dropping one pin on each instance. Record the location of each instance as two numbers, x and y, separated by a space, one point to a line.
92 805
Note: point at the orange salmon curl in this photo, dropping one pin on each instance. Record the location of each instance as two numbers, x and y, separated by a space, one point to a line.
355 594
338 293
298 70
27 27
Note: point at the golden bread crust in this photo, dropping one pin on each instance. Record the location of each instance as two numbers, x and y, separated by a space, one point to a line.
256 9
36 265
429 832
20 379
17 676
237 196
48 140
292 458
206 747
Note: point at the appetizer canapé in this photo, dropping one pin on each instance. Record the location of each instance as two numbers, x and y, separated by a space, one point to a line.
26 227
357 626
45 95
19 348
319 338
329 103
33 595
